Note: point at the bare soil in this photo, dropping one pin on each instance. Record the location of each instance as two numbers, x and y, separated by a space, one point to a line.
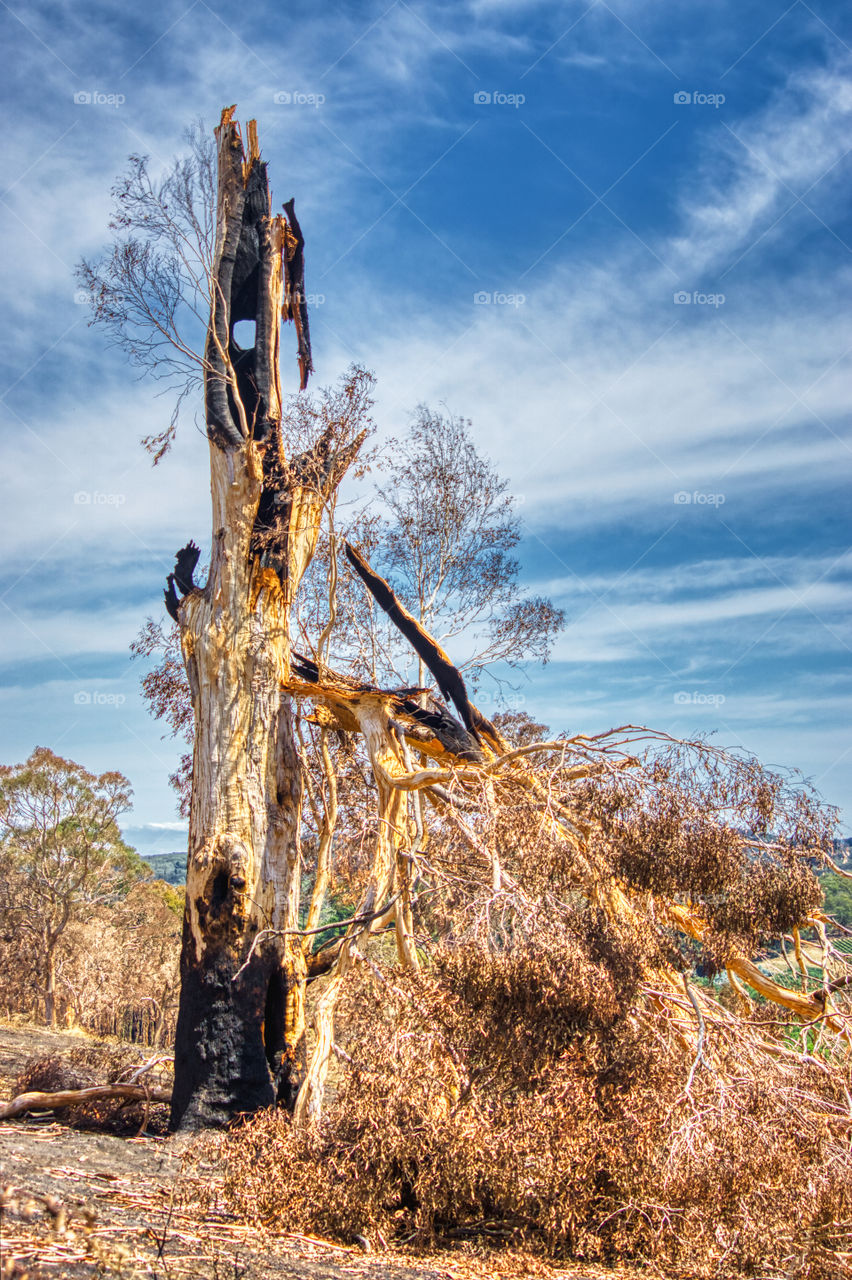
76 1203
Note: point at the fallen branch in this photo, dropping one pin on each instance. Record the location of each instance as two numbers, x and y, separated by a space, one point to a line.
832 865
79 1097
809 1007
700 1059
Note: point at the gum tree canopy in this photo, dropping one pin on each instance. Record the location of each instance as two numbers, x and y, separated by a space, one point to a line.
62 857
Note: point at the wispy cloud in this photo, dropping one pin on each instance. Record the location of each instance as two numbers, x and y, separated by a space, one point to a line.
598 395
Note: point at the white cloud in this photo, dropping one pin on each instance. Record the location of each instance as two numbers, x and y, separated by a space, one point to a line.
760 167
599 397
707 578
713 612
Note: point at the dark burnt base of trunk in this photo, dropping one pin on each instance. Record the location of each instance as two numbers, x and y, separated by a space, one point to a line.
231 1055
220 1059
287 1063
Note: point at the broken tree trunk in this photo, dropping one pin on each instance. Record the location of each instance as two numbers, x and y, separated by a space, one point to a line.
240 1032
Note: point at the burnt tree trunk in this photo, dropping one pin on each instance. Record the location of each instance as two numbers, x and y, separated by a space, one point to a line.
240 1040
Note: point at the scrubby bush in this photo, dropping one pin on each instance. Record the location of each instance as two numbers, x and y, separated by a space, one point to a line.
97 1063
525 1095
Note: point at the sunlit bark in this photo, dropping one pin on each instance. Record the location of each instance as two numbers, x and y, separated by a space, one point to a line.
241 1025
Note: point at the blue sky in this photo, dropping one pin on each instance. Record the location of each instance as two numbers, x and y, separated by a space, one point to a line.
616 236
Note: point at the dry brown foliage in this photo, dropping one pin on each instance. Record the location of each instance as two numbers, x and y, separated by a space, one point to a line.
553 1075
97 1063
509 1103
117 972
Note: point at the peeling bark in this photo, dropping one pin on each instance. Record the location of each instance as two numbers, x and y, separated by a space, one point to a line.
240 1041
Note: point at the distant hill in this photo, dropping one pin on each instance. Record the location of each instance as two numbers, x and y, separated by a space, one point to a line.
170 867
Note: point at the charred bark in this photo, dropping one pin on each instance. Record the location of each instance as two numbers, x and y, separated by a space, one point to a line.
448 676
295 300
182 578
430 727
240 1031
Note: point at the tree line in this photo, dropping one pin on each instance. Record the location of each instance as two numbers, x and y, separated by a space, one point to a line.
87 937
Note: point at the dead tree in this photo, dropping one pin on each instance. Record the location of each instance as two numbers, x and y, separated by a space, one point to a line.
241 1026
642 844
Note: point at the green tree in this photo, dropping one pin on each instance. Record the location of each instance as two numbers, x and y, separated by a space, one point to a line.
838 897
62 855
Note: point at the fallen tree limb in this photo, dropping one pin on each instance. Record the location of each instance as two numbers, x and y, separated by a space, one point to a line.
809 1007
839 871
37 1101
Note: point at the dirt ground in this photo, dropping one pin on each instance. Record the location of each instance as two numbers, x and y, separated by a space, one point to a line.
76 1203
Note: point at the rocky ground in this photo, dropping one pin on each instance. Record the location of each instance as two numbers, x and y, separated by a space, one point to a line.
76 1203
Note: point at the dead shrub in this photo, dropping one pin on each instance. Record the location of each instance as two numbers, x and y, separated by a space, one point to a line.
493 1098
49 1073
554 1076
